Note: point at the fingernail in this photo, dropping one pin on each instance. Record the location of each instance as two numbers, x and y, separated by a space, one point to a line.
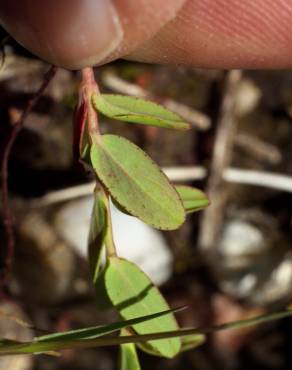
106 32
70 34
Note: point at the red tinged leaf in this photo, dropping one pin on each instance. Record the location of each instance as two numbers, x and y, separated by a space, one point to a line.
79 122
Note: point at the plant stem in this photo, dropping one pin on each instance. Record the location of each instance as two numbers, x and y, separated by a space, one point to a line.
7 214
90 87
110 243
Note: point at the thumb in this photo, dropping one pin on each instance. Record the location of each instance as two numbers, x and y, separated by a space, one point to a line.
78 33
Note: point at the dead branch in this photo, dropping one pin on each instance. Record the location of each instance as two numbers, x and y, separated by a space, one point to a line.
226 127
7 214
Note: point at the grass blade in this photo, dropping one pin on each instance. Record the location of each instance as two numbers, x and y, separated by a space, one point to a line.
41 347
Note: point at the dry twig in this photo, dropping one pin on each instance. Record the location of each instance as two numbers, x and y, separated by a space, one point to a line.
7 214
261 150
226 127
180 174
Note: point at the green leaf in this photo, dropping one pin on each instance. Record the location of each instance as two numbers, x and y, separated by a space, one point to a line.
193 199
97 235
192 341
135 110
145 347
119 207
102 300
131 292
137 183
187 343
85 144
81 139
128 356
11 348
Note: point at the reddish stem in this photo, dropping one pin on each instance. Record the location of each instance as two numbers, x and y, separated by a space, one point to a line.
7 214
90 87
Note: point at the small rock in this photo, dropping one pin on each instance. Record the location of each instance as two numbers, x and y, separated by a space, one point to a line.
248 97
240 242
255 262
279 284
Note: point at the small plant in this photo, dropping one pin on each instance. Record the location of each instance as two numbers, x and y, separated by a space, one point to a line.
126 176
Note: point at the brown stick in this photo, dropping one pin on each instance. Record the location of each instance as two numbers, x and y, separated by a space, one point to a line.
222 152
7 214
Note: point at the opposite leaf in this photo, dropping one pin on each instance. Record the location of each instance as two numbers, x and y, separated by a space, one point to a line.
128 356
192 341
79 128
97 235
187 343
137 183
130 109
132 293
193 199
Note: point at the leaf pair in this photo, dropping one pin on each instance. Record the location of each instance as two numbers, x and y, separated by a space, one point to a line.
122 285
125 287
138 185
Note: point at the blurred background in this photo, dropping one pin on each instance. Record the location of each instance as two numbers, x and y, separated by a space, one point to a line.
231 262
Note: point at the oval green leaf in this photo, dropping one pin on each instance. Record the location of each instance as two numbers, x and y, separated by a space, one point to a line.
132 293
137 183
135 110
193 199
